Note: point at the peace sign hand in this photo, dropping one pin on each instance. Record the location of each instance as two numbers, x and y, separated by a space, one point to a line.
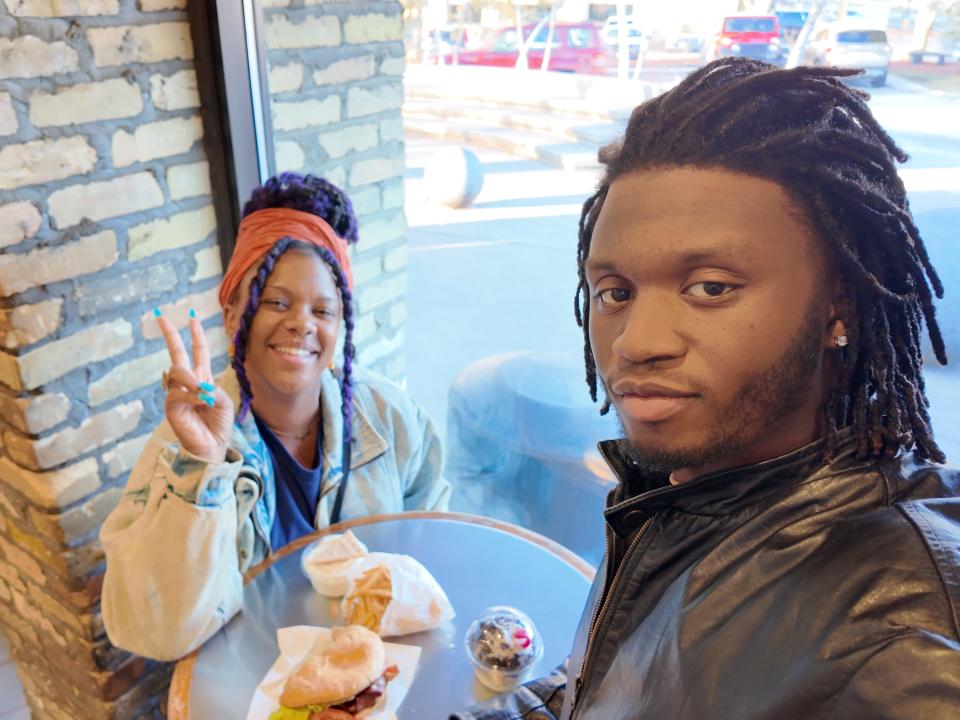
202 425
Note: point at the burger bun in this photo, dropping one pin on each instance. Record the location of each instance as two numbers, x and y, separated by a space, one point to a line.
341 664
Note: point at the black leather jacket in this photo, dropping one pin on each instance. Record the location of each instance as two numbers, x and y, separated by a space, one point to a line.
782 590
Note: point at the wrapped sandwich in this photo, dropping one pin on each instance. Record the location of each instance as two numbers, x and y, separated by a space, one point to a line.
328 561
343 677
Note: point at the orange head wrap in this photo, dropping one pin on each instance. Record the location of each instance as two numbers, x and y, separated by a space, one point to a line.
261 230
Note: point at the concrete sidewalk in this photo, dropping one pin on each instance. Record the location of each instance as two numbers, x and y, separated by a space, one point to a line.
495 277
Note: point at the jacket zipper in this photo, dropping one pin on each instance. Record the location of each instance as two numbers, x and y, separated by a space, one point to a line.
598 618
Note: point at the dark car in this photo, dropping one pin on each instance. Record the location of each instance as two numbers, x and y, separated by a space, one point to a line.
574 47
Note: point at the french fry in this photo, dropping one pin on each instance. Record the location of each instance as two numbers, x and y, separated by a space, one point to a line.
367 602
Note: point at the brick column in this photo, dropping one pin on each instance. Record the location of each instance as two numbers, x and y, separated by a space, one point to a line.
105 212
336 84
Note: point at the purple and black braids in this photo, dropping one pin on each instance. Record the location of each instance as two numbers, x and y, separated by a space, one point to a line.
243 332
307 193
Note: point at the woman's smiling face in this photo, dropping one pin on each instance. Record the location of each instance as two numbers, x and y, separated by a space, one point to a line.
293 336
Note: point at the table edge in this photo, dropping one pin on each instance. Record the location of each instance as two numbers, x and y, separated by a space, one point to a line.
178 697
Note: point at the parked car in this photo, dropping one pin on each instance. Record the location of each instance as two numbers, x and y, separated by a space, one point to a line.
635 38
791 23
752 36
437 44
852 46
683 42
575 47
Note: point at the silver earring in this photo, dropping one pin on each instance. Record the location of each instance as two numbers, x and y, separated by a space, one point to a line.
840 341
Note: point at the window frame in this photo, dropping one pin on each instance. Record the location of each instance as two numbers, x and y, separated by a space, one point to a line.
232 81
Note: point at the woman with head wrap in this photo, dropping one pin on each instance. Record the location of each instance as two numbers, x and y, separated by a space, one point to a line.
284 442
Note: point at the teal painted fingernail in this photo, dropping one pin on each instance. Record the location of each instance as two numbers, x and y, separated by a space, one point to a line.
207 387
192 313
208 399
156 312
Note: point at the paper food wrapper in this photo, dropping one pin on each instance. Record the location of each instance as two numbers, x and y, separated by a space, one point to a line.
295 643
418 602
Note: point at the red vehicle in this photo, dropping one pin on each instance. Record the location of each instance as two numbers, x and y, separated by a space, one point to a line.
752 36
575 47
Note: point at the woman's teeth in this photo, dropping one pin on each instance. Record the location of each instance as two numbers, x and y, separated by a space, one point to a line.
298 352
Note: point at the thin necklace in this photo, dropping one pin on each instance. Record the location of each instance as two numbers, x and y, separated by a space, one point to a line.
296 436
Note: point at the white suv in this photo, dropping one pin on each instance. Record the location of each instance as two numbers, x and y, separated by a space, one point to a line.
852 46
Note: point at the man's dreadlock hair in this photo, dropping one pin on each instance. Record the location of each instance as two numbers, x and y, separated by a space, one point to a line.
815 136
315 195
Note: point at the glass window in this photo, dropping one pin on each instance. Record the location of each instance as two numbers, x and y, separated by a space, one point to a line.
862 36
506 40
759 24
540 39
579 37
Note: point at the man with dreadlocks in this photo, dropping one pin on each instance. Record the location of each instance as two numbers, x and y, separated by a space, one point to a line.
310 443
782 543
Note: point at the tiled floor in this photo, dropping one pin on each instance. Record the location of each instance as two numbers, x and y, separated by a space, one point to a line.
12 704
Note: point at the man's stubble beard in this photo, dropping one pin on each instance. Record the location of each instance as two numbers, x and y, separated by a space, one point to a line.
764 401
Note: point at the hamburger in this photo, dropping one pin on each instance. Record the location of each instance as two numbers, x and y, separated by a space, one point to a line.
343 677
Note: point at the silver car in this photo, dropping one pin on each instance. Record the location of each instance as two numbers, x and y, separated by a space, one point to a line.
852 46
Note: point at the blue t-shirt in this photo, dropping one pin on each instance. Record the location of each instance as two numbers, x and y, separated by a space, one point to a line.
298 489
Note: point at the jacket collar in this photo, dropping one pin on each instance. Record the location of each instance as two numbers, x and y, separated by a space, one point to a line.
367 443
639 495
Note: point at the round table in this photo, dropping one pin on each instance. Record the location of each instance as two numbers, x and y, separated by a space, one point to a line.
478 561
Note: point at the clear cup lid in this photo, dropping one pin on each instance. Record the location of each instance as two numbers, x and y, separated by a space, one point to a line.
504 639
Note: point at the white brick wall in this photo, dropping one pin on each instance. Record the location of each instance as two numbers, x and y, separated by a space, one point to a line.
48 265
86 102
180 230
190 180
29 57
72 442
286 78
363 101
375 170
337 143
42 161
208 263
391 129
381 231
343 71
28 324
309 113
56 359
124 195
18 222
175 92
289 155
313 32
392 66
373 27
62 8
154 5
125 44
8 117
155 140
392 195
81 256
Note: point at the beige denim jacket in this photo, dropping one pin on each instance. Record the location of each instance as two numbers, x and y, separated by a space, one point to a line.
185 530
